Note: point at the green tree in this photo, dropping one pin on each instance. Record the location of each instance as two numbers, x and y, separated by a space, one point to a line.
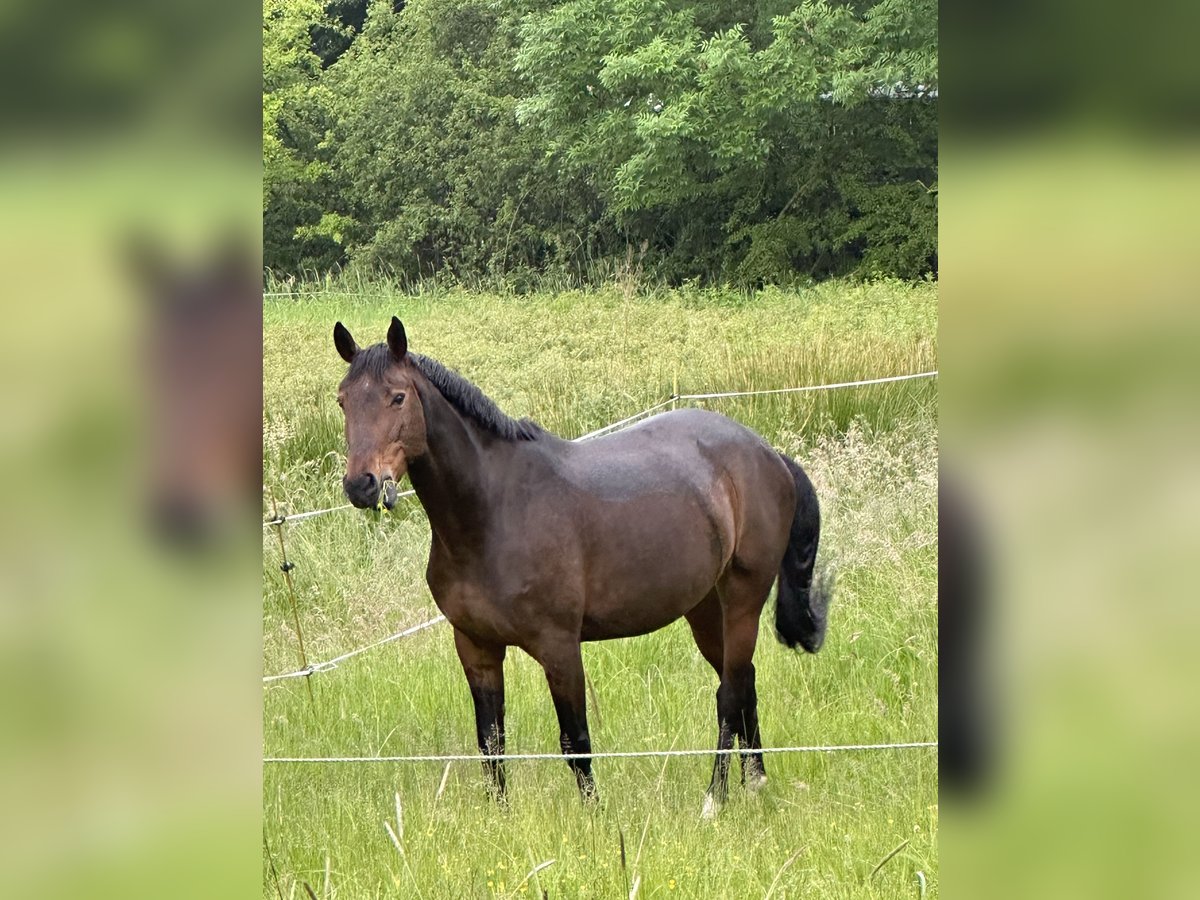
734 140
435 158
746 140
299 229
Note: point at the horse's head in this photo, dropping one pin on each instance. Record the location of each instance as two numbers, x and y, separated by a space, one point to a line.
203 357
385 424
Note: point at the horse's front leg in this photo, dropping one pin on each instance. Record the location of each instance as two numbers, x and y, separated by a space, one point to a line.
484 667
563 662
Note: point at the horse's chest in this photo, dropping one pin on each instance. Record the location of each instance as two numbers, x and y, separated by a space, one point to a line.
486 609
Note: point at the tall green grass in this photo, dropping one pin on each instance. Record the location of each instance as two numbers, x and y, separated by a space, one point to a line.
576 361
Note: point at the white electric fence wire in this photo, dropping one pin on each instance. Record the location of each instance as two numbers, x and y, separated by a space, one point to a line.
313 668
617 425
811 387
615 754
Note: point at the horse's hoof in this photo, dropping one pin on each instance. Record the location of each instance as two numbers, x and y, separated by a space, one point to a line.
756 783
711 807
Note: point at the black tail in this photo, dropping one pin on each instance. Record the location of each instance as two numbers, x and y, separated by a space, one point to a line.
802 606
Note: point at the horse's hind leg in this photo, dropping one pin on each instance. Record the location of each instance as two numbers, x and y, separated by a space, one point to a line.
708 630
484 667
754 770
742 598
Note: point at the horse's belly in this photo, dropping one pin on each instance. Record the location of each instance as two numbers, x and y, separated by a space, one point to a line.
652 584
602 623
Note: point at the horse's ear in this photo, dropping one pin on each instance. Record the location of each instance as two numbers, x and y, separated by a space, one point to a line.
344 342
397 340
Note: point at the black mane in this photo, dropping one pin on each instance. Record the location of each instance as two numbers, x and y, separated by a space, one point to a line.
465 397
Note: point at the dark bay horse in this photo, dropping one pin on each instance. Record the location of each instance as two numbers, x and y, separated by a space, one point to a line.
542 543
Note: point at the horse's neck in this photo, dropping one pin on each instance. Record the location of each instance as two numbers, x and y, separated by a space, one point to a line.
452 477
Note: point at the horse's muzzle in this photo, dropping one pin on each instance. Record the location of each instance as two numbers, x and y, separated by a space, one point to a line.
367 492
362 490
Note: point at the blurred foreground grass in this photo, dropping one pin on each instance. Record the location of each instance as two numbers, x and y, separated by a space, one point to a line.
1068 411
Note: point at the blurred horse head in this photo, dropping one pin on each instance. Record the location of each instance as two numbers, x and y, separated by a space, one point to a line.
203 373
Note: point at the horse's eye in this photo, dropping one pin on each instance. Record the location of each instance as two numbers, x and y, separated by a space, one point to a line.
398 399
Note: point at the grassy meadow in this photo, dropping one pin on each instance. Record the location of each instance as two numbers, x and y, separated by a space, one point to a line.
575 361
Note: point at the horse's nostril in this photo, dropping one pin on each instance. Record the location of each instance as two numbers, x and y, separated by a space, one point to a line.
362 488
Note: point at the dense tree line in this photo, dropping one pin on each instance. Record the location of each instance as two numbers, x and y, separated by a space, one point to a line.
728 140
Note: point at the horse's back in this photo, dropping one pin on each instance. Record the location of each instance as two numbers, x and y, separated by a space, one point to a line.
680 452
681 444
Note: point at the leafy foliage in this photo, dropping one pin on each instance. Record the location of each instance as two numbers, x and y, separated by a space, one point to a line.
297 177
752 142
441 167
